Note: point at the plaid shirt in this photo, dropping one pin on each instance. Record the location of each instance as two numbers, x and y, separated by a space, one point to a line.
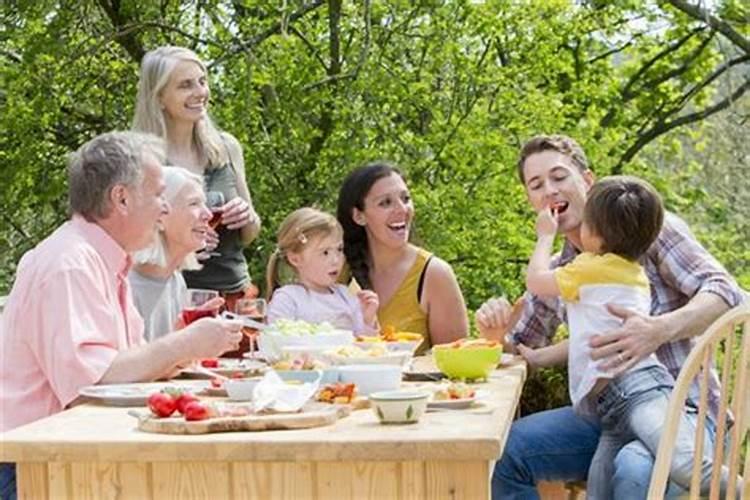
678 268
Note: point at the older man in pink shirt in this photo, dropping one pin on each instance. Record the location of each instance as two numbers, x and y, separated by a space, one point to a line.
69 320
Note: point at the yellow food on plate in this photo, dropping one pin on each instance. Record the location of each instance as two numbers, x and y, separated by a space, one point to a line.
456 390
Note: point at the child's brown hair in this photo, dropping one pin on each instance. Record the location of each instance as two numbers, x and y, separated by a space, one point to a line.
294 233
626 213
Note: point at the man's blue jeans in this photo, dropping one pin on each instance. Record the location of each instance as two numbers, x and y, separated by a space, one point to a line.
7 481
558 445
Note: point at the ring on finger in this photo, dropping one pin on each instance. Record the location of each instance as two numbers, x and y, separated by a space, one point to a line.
621 357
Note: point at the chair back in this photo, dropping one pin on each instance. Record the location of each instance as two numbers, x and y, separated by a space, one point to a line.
726 347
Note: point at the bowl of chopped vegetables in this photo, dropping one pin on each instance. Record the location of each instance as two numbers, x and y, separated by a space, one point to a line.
297 333
467 359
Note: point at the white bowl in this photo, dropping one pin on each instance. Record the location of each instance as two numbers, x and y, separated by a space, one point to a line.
389 358
399 407
371 378
241 389
272 343
312 351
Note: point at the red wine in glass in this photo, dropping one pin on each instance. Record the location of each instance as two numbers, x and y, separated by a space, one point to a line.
190 314
215 201
215 217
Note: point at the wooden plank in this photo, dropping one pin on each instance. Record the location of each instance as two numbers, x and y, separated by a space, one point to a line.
273 481
31 481
108 480
361 480
457 480
195 480
58 476
413 481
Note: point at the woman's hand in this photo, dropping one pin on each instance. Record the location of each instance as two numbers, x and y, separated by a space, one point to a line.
212 241
237 213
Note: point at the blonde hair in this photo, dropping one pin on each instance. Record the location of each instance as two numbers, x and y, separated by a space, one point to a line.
156 69
175 179
294 233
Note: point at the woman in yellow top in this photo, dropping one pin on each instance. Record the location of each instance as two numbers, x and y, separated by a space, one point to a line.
418 292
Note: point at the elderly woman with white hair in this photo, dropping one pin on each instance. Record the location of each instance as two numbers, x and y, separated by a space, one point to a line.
156 279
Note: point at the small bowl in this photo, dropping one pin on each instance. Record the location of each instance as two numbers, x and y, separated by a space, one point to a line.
241 389
399 407
300 376
466 363
371 378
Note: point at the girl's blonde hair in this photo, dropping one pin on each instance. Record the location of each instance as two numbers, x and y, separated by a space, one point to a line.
175 179
293 235
156 69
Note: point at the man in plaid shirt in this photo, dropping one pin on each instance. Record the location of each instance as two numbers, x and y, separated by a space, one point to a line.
689 290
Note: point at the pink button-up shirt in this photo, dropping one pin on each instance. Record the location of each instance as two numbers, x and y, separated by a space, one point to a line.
68 315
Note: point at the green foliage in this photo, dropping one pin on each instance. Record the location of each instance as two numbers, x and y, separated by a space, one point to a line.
447 89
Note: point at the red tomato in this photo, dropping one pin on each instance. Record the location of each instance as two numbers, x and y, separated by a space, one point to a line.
217 383
210 363
183 400
238 375
162 404
196 410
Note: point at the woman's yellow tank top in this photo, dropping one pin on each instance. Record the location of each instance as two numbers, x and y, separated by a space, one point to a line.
403 311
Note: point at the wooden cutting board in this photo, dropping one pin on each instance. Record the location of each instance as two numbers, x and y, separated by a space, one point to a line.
312 415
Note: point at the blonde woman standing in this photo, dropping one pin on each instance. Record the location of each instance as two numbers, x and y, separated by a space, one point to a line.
172 102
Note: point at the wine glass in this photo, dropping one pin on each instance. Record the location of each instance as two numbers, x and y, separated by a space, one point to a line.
215 202
195 305
254 309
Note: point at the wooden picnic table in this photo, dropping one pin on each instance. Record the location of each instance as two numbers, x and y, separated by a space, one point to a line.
94 451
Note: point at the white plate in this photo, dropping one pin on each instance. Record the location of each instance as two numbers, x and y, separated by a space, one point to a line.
399 358
131 394
228 367
453 404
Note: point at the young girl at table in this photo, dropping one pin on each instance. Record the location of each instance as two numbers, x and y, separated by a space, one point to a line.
310 244
621 219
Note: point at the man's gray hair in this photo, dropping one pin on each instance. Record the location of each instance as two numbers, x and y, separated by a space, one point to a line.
104 162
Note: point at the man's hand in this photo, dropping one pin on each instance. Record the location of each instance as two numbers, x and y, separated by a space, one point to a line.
495 318
621 349
211 337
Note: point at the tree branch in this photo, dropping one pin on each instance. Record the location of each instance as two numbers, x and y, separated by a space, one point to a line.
663 127
128 41
309 45
703 15
273 30
627 93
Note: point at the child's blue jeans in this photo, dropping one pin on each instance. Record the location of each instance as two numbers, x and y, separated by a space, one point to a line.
634 406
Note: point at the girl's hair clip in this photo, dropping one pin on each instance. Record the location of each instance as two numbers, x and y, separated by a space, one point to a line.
302 238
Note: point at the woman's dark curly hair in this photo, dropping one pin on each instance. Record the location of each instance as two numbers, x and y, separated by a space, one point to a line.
353 191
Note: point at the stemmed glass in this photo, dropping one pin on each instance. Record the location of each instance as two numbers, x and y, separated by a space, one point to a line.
254 309
195 305
215 203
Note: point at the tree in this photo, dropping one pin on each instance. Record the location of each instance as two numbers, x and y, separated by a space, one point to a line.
311 88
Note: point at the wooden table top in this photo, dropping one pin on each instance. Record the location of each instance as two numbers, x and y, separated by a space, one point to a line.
92 432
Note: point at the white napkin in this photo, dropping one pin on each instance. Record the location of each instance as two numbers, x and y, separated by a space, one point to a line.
272 393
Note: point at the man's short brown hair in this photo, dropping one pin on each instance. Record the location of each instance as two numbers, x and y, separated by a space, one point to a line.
626 213
560 143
